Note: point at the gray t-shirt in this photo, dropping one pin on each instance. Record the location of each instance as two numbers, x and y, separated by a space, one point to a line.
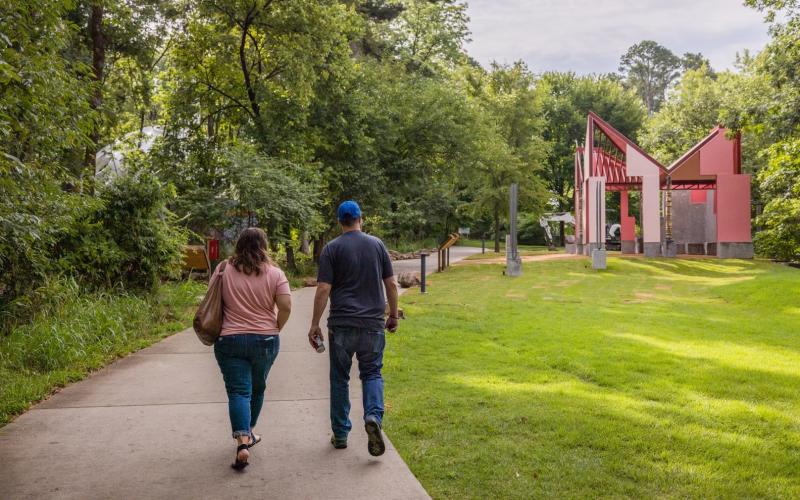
355 264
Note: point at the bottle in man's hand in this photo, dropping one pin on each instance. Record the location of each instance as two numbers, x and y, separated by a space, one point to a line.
319 345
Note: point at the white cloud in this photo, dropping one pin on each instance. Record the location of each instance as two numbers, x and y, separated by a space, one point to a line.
589 36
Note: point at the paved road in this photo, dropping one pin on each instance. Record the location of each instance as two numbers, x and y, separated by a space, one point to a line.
155 425
413 265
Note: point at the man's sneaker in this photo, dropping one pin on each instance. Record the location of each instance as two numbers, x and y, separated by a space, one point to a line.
374 437
339 443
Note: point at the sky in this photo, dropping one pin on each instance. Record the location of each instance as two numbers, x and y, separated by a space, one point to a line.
589 36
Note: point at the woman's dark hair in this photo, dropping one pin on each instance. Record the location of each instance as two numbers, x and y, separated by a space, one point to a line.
251 251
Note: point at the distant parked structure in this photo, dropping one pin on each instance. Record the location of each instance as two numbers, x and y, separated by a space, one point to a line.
109 162
698 205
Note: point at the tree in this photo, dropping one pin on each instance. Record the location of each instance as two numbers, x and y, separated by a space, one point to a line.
44 116
510 145
650 69
377 14
44 111
255 63
492 177
112 32
566 100
280 194
429 35
791 8
687 116
700 102
776 117
695 61
779 183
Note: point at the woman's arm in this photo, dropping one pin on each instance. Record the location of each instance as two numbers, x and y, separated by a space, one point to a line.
284 303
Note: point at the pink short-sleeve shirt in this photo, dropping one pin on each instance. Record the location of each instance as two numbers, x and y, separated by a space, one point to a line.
249 301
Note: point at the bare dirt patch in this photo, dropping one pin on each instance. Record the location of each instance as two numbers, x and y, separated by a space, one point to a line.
641 298
525 258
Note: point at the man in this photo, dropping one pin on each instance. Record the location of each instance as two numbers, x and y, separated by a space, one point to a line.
354 269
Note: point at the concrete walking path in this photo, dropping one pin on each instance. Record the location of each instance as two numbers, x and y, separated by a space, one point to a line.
155 425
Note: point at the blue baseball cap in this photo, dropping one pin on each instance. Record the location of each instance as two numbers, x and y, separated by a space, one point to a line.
348 210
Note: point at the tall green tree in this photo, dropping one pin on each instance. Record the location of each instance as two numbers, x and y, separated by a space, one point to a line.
650 68
694 61
566 100
114 33
430 35
44 111
44 116
779 183
777 117
703 100
511 148
256 62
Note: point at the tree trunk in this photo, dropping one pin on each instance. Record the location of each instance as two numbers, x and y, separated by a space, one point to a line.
497 230
318 244
98 42
304 243
291 265
561 233
245 67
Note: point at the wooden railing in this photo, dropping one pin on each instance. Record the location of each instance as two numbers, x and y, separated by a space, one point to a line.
443 260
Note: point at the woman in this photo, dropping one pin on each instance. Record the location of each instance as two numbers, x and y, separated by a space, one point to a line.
256 305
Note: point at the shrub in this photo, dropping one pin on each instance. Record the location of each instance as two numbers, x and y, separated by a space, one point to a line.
779 183
145 232
33 210
530 231
130 239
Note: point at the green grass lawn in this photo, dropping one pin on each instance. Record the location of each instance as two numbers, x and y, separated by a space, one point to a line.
655 378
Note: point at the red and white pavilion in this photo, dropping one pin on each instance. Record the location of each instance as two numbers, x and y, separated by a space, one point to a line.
700 204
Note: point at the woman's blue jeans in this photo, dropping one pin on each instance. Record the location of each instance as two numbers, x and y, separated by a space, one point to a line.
368 347
245 360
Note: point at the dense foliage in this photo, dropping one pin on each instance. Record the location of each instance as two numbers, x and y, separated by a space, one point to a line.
762 100
272 112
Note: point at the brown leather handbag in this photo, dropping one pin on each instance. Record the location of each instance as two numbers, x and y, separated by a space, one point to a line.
208 318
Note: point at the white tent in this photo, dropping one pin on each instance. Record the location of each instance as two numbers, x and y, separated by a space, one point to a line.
109 162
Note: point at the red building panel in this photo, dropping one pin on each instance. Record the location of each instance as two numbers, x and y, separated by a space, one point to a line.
697 197
717 155
733 208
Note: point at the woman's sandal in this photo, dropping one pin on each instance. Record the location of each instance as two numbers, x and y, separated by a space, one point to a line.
240 464
254 440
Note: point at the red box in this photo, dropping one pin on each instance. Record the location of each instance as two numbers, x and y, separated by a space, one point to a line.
213 249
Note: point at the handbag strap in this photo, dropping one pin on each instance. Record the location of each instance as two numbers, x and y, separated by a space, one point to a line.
221 276
222 266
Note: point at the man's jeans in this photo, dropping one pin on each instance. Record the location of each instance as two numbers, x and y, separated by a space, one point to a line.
368 346
245 361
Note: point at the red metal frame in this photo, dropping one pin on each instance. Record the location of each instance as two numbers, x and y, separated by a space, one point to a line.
714 163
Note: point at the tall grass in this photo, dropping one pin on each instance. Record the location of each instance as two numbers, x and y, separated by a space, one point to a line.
73 333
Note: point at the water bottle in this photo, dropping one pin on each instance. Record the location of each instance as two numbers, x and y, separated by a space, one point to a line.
319 345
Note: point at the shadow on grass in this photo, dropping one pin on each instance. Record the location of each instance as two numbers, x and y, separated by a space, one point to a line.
655 378
570 437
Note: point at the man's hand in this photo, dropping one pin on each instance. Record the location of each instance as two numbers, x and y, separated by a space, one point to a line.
313 332
391 298
320 301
